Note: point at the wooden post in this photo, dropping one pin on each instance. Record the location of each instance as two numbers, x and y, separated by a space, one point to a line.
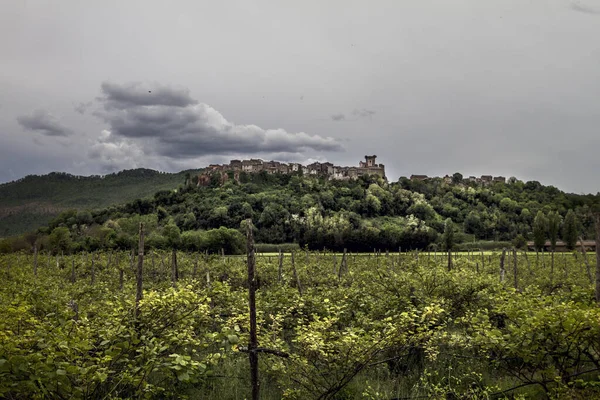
515 269
502 270
73 270
35 260
449 260
585 260
93 271
565 265
121 271
552 268
132 260
280 270
344 264
174 269
139 272
253 345
296 277
334 264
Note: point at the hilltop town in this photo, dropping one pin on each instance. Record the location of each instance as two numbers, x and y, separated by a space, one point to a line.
367 167
483 180
253 166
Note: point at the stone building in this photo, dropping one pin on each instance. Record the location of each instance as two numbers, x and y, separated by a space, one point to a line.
370 167
327 169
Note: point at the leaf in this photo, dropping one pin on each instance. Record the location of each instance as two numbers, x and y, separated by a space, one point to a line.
183 377
233 339
61 372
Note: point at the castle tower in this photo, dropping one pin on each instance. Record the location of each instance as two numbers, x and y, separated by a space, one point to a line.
370 161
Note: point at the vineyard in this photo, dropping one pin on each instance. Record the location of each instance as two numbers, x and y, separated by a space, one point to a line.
329 325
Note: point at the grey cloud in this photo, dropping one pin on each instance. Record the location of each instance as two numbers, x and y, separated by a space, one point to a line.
136 94
363 113
81 108
43 122
584 9
172 124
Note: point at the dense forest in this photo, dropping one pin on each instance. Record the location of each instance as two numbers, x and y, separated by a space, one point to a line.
358 215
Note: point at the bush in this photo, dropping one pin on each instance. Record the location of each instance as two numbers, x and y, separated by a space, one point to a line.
483 245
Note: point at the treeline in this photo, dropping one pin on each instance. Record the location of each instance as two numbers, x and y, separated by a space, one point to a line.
357 215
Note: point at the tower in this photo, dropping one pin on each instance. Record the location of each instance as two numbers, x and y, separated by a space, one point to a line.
370 161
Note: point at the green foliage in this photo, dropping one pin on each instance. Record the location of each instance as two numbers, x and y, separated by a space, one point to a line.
358 215
569 232
397 326
274 248
385 327
554 221
519 242
60 240
34 201
540 229
448 237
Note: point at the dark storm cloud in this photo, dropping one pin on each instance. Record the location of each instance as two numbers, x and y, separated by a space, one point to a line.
338 117
584 9
169 123
43 122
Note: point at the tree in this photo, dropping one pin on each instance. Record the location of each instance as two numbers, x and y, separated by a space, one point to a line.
519 241
60 239
173 235
457 178
540 227
569 231
553 228
448 240
448 237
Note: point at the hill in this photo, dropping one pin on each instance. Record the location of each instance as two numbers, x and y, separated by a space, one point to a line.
358 215
33 201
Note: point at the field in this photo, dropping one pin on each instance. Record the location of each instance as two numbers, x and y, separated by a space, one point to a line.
388 326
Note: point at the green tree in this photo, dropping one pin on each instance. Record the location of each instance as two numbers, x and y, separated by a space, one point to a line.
554 221
60 239
569 231
448 240
540 227
448 237
457 178
519 241
173 235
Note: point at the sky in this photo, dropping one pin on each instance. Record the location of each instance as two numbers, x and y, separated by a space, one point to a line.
498 87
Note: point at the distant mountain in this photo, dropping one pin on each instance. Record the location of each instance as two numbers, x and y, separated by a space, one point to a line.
33 201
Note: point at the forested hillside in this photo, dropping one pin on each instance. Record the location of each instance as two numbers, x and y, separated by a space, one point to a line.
357 215
33 201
